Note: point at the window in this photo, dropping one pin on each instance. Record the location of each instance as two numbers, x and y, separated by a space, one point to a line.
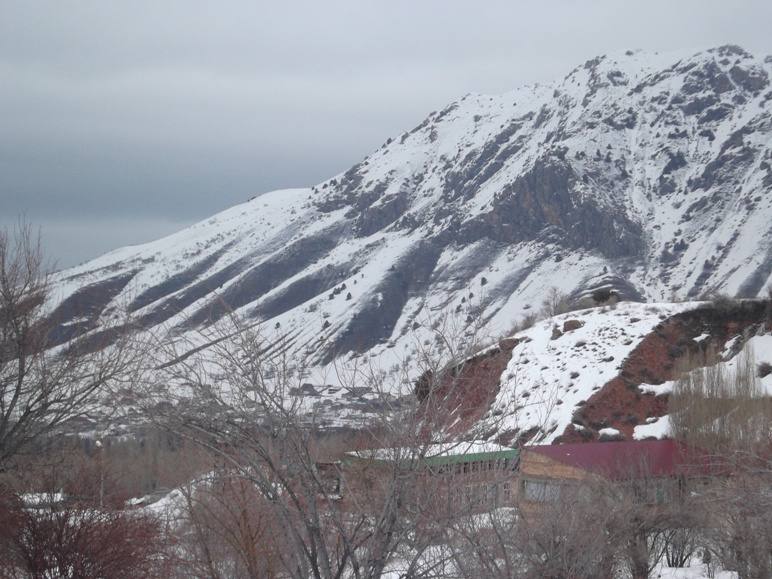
506 492
491 492
540 491
653 492
663 491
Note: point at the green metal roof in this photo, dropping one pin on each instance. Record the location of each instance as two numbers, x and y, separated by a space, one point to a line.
437 455
471 457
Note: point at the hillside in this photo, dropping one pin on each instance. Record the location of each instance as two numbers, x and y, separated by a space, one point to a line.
646 174
604 372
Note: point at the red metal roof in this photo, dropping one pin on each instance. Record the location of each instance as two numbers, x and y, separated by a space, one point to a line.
629 459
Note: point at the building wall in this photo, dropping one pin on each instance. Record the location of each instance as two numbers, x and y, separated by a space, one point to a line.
450 489
535 465
542 480
539 481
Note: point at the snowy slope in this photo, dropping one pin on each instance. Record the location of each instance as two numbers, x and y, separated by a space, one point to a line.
650 174
608 371
548 378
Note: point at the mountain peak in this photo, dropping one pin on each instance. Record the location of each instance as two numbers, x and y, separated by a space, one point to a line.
649 173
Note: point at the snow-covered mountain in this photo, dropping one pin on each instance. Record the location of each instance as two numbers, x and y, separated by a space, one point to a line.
649 174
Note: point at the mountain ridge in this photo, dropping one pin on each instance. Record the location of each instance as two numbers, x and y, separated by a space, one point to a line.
647 178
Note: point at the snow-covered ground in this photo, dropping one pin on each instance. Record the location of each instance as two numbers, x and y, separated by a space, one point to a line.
550 376
694 571
439 450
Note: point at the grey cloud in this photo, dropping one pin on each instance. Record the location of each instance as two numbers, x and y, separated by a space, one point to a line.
81 239
152 111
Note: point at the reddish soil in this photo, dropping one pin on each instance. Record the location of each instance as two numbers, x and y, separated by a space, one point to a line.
659 357
463 394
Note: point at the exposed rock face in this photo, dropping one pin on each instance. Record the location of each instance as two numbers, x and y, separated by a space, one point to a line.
540 204
640 175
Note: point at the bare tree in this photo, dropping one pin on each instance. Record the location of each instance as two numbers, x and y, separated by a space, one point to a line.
719 410
555 303
569 534
487 545
43 385
227 530
238 398
657 519
728 415
737 508
600 526
71 540
574 536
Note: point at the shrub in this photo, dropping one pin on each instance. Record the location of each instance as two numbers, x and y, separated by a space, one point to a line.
722 303
73 541
522 324
555 303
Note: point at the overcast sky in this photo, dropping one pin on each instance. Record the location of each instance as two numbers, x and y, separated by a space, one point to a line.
124 121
